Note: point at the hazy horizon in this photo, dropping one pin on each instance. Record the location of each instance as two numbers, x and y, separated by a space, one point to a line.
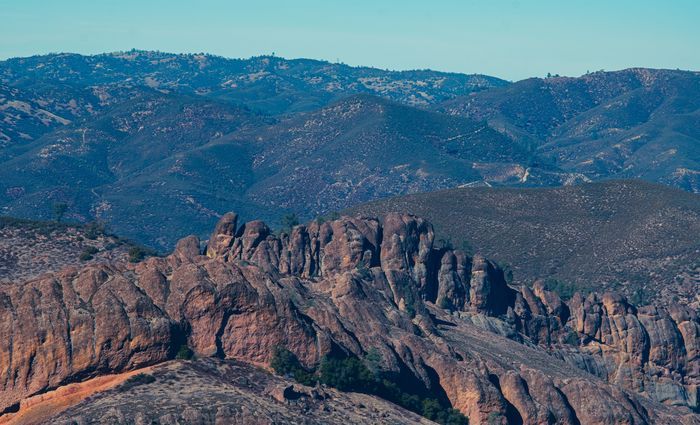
508 39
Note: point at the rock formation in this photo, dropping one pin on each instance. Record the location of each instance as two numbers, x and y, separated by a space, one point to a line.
438 318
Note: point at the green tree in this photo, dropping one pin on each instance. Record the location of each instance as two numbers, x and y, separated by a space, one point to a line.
94 229
184 353
445 243
640 297
59 210
289 221
353 374
88 253
348 374
285 363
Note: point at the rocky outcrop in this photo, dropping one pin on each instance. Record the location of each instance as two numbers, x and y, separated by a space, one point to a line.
647 349
349 287
74 324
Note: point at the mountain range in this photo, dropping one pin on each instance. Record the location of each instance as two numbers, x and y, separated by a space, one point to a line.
158 145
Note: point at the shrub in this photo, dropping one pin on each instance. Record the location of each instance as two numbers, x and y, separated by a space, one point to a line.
348 374
285 363
640 297
571 338
138 253
59 210
467 248
445 243
136 380
184 353
564 289
495 418
288 222
88 253
94 229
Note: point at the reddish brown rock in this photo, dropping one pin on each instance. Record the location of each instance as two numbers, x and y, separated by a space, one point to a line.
222 237
353 286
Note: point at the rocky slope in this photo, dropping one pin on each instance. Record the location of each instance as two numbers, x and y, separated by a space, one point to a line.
628 236
435 318
31 248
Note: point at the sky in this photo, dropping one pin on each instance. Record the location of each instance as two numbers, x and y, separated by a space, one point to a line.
511 39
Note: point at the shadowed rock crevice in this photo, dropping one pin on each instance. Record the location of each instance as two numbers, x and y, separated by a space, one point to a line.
220 353
512 415
569 408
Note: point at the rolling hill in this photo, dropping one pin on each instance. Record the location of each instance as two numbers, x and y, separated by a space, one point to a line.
364 147
635 123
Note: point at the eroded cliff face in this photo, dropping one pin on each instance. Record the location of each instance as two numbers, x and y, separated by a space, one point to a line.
437 317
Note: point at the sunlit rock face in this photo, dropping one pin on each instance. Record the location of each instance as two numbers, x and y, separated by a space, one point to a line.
439 318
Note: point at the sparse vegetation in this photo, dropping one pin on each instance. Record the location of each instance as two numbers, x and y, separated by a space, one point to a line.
588 237
136 380
29 248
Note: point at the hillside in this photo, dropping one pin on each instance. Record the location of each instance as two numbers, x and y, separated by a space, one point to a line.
160 165
145 166
365 147
226 392
635 123
629 236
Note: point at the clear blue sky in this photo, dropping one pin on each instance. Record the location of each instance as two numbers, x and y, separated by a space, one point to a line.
512 39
